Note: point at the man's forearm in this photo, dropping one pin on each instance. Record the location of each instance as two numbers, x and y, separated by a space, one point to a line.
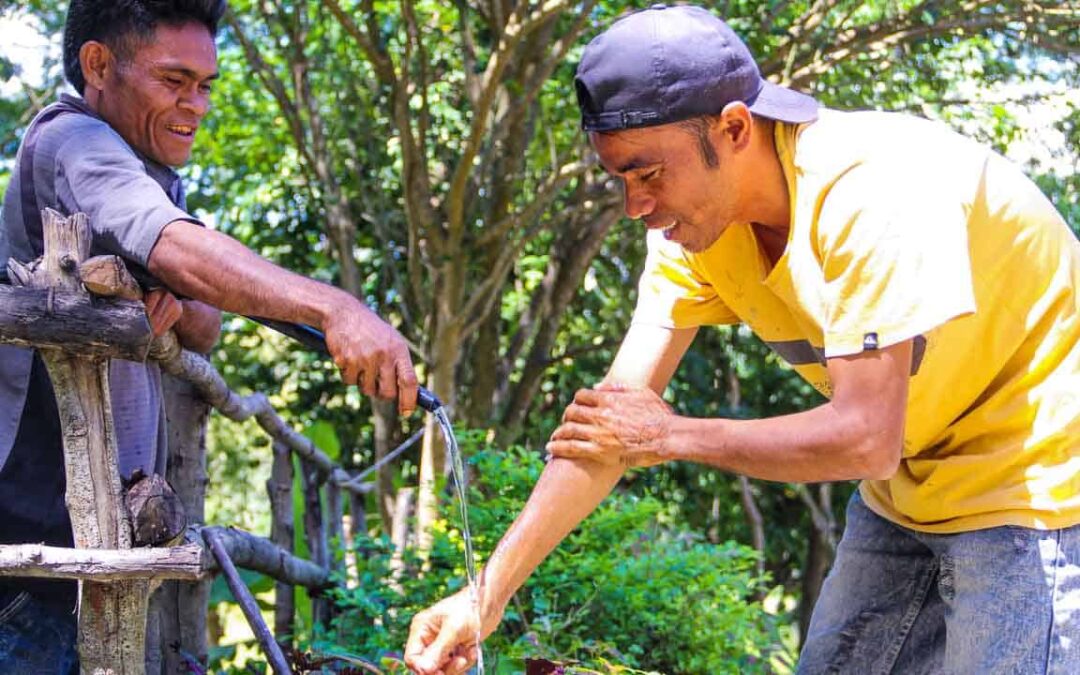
822 444
220 271
567 492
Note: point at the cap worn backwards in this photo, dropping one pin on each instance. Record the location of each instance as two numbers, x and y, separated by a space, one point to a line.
666 64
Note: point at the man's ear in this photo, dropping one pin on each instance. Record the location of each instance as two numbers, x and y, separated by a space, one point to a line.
96 60
736 124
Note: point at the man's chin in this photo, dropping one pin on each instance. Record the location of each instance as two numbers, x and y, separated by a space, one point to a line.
692 246
175 160
700 244
175 156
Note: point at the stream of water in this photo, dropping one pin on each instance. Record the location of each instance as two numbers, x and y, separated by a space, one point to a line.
458 470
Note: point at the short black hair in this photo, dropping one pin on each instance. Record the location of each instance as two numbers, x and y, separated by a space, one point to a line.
698 127
124 25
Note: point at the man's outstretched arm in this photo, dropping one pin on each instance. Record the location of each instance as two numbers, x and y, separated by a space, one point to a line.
858 434
442 638
218 270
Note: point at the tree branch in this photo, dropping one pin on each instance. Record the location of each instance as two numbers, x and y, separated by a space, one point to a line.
822 522
517 27
97 564
262 555
541 200
210 385
274 85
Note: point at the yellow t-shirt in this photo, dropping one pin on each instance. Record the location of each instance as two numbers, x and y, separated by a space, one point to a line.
902 229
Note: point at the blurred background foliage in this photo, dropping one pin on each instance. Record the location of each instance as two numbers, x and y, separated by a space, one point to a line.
426 156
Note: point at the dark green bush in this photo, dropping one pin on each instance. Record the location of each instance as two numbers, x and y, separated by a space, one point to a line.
627 590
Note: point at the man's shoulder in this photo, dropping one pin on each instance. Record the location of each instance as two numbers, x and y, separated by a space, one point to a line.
832 121
74 131
864 136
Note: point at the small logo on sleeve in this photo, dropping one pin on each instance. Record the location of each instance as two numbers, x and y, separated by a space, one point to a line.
870 341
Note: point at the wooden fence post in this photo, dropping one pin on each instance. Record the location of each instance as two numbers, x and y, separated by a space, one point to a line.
315 531
48 308
282 532
335 525
112 616
181 607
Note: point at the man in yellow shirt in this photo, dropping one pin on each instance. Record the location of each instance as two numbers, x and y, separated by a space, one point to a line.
917 279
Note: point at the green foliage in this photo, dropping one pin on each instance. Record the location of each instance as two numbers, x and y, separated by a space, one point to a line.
255 582
983 71
631 587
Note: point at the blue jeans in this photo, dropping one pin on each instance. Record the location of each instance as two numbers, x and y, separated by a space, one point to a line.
999 600
36 640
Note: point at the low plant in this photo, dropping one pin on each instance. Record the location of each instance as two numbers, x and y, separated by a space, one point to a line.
629 591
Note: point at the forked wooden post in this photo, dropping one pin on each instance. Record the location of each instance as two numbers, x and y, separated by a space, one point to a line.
76 335
112 616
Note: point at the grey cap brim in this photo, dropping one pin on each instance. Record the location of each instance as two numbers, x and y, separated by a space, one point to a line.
783 104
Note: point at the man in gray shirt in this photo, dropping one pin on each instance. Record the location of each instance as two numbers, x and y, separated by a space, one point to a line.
72 160
144 71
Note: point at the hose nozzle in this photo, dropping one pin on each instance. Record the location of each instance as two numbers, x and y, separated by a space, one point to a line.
427 400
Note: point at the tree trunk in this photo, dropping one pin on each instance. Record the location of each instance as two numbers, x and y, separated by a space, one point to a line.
335 534
571 255
433 459
819 555
817 565
400 536
354 526
485 373
385 419
756 522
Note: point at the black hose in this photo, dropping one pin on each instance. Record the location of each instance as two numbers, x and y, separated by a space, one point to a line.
314 340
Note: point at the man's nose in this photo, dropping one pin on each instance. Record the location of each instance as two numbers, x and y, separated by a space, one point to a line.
197 103
637 202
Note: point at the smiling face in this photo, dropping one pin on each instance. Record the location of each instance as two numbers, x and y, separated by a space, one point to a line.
668 185
156 98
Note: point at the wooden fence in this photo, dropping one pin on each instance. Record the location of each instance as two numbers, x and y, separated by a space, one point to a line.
79 313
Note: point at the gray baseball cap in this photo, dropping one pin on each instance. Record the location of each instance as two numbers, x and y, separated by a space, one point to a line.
666 64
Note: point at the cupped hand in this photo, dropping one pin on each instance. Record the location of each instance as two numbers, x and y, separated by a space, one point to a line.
372 355
442 638
613 424
163 310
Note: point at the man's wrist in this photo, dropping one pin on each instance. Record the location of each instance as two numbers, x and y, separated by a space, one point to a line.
330 302
672 446
687 437
493 597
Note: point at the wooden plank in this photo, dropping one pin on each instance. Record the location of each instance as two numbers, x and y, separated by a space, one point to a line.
37 560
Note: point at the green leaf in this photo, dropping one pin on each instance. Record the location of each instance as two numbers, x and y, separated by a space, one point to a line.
324 436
